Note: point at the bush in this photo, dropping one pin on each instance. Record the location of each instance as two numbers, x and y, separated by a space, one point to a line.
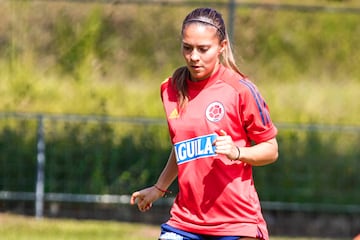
118 158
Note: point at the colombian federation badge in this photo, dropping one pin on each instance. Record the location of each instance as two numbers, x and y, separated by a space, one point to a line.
215 111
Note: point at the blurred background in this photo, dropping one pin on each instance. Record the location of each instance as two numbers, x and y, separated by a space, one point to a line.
82 124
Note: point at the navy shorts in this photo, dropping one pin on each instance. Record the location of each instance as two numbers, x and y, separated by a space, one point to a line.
171 233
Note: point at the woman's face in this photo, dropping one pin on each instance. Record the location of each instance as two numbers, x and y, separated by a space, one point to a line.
201 49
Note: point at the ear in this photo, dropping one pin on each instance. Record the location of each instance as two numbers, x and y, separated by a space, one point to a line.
223 45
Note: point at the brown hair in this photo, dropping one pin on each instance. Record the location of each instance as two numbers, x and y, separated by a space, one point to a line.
213 18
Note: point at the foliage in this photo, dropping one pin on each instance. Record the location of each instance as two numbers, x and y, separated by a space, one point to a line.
16 164
96 158
77 47
313 166
108 60
118 158
295 44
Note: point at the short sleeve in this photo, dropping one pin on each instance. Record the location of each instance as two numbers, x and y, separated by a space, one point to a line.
255 113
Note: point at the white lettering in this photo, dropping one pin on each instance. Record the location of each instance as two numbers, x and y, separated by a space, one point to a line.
208 146
182 152
195 148
198 147
190 149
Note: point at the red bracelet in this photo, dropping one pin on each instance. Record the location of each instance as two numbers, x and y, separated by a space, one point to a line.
162 190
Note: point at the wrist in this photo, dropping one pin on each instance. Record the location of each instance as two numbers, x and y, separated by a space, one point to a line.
163 191
238 153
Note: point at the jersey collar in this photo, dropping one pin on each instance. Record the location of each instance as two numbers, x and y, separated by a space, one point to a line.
206 82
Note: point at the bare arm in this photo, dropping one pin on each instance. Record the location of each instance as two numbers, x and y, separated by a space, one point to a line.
260 154
145 197
169 173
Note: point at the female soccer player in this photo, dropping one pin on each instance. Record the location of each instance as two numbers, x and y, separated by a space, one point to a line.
220 127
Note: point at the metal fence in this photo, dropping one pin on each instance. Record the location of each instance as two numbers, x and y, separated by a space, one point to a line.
42 123
39 127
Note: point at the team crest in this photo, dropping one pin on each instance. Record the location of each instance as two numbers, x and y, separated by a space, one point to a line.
215 112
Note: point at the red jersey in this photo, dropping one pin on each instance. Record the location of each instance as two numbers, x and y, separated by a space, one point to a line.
216 196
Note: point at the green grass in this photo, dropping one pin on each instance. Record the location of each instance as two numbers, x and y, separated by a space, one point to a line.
96 61
318 101
26 228
14 227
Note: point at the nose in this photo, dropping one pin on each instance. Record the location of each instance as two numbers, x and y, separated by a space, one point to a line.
194 56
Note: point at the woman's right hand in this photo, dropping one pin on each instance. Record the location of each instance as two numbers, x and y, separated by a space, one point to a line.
145 197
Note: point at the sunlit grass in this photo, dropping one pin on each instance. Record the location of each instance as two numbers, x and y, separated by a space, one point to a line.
302 101
27 228
14 227
305 101
94 60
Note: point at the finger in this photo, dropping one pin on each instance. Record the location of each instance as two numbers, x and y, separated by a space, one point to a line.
148 207
144 206
142 203
221 132
133 198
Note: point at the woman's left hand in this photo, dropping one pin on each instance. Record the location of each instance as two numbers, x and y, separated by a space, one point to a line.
225 145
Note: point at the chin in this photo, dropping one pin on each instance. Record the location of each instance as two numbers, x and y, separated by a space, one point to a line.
198 77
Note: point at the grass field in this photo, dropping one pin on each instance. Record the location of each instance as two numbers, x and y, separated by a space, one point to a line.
14 227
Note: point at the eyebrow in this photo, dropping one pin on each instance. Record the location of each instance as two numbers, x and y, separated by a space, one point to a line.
202 45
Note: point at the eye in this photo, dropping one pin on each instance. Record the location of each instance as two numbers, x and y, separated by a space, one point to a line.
203 49
187 48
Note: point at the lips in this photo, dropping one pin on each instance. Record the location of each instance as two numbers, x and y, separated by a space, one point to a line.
195 67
